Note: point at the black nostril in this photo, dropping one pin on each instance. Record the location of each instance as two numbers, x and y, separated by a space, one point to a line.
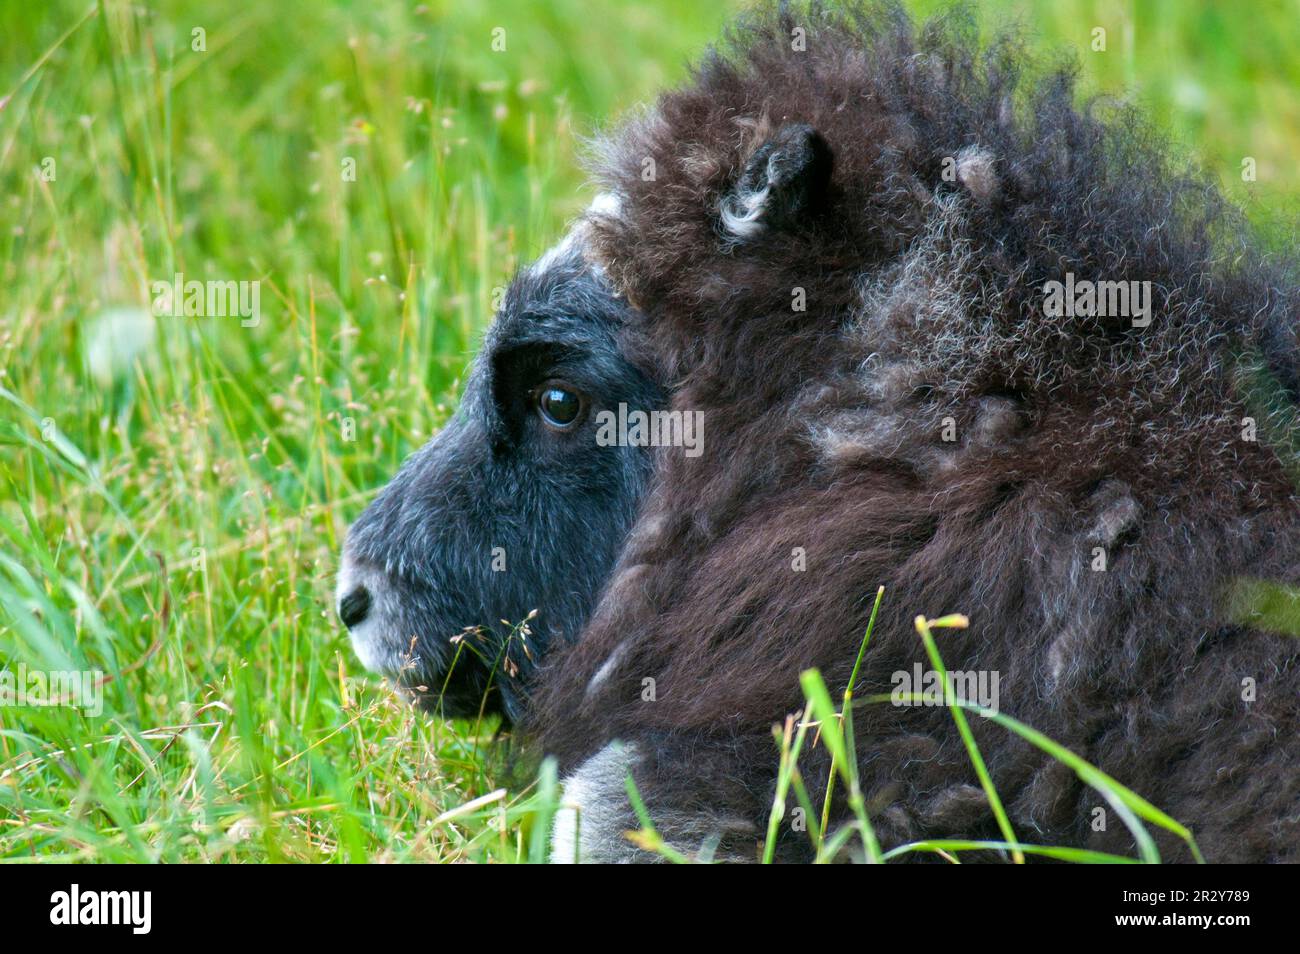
354 607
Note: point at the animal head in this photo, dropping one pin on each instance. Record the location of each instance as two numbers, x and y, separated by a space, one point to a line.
493 540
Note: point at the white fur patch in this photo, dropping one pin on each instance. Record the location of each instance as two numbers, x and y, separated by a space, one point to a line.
742 211
376 650
977 171
595 811
607 668
606 205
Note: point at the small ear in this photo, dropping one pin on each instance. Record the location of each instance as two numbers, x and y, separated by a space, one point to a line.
784 180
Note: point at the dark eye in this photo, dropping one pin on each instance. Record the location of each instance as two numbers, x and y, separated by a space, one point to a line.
559 405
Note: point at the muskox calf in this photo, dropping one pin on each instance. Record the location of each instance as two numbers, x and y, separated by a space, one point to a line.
944 330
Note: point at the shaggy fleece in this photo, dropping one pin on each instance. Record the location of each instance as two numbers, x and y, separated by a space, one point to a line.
926 424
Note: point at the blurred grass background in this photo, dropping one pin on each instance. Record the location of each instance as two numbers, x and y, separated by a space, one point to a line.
173 491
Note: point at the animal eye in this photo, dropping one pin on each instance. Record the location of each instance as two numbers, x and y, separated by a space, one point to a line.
559 406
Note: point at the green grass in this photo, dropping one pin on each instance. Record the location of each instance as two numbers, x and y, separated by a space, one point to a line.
173 491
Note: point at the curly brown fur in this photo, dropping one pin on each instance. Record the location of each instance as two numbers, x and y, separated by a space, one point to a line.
924 312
